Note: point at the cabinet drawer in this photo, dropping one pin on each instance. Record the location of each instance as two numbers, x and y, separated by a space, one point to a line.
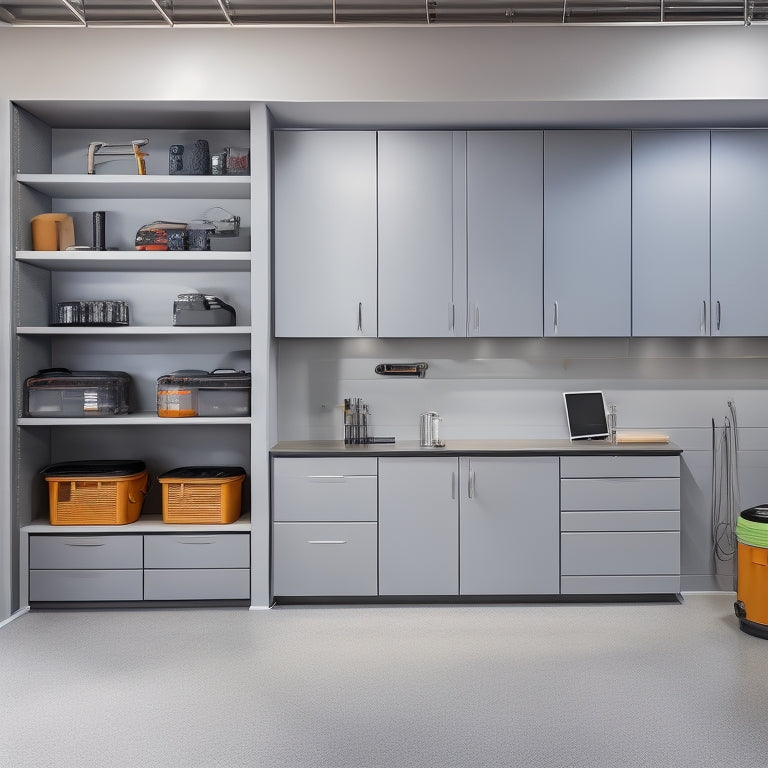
106 551
197 584
620 554
342 489
620 466
325 559
620 493
619 585
56 585
217 550
623 520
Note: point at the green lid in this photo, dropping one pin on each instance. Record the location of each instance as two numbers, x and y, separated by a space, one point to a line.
752 527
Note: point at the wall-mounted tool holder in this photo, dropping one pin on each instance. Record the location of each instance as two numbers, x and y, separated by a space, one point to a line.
402 369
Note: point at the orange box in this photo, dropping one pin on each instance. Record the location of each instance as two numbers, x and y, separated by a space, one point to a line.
96 492
205 495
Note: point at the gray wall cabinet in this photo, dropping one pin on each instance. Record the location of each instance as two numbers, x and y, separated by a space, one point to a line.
325 233
504 233
422 262
419 526
587 223
509 526
739 232
670 233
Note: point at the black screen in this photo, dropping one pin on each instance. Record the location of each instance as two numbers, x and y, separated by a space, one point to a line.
586 414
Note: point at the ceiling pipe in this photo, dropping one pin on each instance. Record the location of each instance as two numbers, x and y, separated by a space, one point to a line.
80 16
162 12
223 4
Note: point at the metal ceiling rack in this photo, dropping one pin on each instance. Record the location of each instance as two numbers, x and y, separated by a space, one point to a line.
101 13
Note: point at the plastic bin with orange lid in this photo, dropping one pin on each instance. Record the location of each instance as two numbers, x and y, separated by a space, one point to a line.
207 495
97 492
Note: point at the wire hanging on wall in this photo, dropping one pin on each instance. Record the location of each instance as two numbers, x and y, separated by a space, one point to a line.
726 494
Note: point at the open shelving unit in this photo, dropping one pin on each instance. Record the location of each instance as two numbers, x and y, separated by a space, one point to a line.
50 176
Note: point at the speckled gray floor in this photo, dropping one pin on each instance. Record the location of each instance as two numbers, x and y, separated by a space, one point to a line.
557 686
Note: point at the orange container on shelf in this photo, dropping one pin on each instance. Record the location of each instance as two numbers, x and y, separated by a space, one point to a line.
205 495
100 492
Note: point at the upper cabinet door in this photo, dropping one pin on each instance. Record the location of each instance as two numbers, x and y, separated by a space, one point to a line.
325 233
670 233
422 262
739 232
504 233
587 238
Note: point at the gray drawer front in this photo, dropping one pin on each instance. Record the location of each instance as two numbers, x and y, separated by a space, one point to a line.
325 489
620 466
619 585
56 585
197 584
325 559
622 520
182 550
620 493
620 554
106 551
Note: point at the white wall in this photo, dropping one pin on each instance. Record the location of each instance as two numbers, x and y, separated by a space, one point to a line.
513 76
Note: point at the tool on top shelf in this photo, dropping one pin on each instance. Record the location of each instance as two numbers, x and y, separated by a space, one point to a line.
96 152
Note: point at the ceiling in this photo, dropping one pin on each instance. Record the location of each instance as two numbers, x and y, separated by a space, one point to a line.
100 13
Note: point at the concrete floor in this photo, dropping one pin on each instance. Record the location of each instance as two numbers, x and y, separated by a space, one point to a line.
557 686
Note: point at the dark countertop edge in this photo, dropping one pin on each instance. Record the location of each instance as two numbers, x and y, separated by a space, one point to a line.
625 449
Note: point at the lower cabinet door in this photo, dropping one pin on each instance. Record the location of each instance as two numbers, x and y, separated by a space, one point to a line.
197 584
89 585
193 550
419 526
324 559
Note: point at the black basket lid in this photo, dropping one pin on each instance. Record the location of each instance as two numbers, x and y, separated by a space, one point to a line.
95 468
758 514
206 473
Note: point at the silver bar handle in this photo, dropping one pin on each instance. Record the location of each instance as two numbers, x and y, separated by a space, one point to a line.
471 486
556 317
718 316
453 485
703 329
84 543
360 316
451 316
477 318
326 541
327 478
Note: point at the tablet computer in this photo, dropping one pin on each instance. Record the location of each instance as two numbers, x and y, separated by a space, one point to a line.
585 412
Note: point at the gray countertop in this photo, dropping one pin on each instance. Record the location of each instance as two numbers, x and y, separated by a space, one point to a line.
474 448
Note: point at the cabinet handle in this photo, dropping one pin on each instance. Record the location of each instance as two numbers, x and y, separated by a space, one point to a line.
471 486
360 316
703 328
326 541
451 315
453 485
718 315
84 543
477 318
326 478
194 541
556 317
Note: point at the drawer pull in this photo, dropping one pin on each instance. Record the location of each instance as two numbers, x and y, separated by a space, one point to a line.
194 541
326 541
84 543
327 478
